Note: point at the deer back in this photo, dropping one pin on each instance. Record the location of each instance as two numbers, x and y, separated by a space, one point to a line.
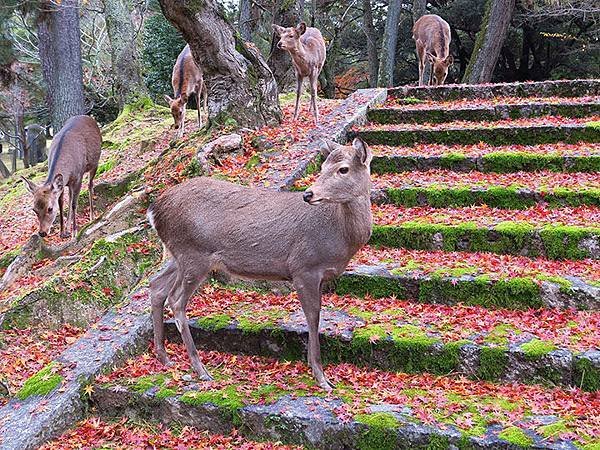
186 74
433 32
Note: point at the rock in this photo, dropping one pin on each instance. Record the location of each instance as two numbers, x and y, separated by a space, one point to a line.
217 148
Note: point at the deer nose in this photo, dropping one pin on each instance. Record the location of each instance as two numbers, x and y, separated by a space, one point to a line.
43 234
308 195
279 45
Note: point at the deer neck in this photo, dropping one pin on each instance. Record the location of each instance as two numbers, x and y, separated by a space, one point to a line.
356 219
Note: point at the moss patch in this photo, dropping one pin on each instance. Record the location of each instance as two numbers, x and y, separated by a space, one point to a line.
381 433
214 322
537 348
228 399
42 383
516 436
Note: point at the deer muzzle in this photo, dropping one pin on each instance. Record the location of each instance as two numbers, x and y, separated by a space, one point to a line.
308 195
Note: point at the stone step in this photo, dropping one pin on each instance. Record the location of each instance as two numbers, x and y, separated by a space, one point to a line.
492 133
485 279
398 335
278 401
559 88
520 190
563 233
397 111
558 157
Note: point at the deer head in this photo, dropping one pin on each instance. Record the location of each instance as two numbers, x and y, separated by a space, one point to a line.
440 67
45 201
345 174
177 106
289 38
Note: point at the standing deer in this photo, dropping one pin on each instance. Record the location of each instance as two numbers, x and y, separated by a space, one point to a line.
207 224
74 151
187 79
432 36
306 46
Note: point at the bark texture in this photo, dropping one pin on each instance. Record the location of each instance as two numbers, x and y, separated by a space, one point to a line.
286 13
240 84
60 55
372 52
390 39
419 8
245 20
126 62
489 41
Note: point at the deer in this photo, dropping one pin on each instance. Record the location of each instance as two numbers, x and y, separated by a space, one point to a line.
306 47
187 79
74 151
307 238
432 37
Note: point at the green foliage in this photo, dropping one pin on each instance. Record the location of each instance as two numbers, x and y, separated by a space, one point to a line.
228 399
516 436
374 286
381 432
586 376
162 45
214 322
537 348
492 363
42 383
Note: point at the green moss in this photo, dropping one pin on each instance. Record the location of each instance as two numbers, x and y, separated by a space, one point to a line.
537 348
8 258
595 125
214 322
374 286
553 430
516 436
499 335
42 383
381 433
252 162
227 399
143 384
106 166
193 169
586 375
438 442
165 393
251 325
592 446
562 242
492 363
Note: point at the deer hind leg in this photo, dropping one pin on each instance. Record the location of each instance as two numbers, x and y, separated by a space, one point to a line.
160 286
313 98
298 93
309 292
421 57
91 192
74 196
188 277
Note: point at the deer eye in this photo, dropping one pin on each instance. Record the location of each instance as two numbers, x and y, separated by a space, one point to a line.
343 170
50 209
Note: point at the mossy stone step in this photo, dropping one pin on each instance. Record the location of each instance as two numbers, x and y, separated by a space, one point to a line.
493 196
404 348
552 242
515 293
559 88
501 162
481 113
501 135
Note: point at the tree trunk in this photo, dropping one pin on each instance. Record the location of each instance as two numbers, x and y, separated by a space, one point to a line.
390 39
419 8
126 63
286 14
60 55
240 84
371 34
489 41
245 20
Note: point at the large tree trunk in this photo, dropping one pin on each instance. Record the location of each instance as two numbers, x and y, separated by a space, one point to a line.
240 84
371 33
245 20
419 8
390 39
489 41
286 13
126 63
60 55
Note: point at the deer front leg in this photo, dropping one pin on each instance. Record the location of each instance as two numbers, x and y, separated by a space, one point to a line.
309 292
91 193
160 286
74 197
61 200
183 287
313 98
298 93
65 232
181 128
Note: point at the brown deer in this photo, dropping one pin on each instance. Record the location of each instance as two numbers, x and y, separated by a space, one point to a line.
187 79
206 224
74 151
432 36
306 46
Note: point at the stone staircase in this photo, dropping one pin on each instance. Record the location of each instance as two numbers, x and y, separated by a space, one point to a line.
471 320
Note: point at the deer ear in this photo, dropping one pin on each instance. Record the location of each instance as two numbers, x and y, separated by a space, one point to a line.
362 151
168 99
31 186
58 183
449 60
327 147
277 29
301 28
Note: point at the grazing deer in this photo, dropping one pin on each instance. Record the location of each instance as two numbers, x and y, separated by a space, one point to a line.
74 151
306 46
207 224
432 36
187 79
